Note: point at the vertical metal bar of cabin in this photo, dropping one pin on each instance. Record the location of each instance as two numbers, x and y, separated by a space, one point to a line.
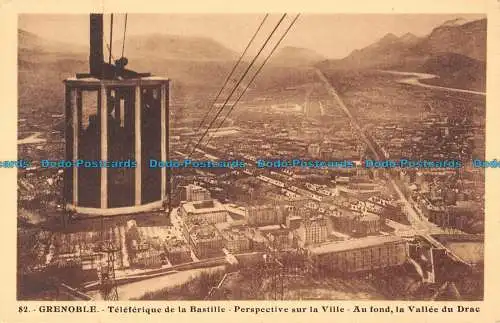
138 148
167 127
104 147
79 100
122 108
163 107
68 153
75 126
118 107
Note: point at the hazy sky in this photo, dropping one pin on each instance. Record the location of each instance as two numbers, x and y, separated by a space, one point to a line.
332 35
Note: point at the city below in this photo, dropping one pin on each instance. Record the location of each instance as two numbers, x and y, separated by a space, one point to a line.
314 222
330 180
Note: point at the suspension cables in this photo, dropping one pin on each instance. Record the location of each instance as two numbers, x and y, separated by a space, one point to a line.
124 34
110 39
231 73
238 83
109 45
255 74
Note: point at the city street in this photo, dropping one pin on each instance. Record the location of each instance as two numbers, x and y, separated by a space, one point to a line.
416 221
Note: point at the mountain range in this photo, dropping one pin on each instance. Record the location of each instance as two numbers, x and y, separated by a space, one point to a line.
176 47
186 59
161 46
296 56
198 66
455 51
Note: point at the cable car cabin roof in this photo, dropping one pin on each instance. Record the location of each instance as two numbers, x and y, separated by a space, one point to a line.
94 83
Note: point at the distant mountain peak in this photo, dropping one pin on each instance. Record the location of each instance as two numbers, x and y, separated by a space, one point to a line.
31 41
408 37
454 22
285 48
294 56
390 37
22 32
195 48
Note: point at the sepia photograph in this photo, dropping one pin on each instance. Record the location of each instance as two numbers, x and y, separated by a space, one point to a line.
251 156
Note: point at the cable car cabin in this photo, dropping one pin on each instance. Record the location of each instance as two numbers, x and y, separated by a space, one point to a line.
116 121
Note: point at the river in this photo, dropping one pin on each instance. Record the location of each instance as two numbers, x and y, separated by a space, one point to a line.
416 77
